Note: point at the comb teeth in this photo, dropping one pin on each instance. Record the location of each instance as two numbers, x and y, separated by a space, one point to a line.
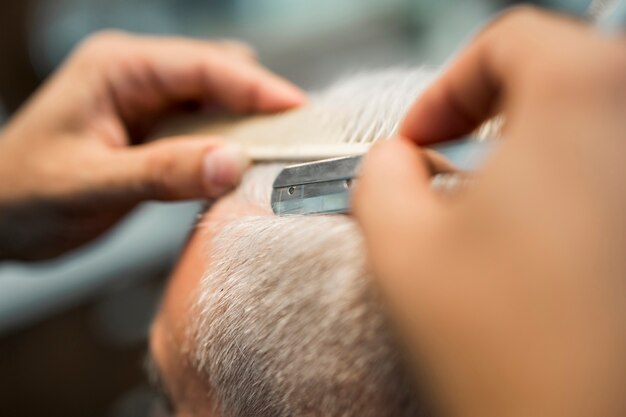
368 108
304 152
344 120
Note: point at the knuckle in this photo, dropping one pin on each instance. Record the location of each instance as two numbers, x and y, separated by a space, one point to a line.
238 48
107 38
513 18
102 43
509 36
524 13
160 166
602 76
251 98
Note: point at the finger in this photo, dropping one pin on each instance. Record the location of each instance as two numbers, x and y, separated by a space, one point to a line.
238 48
438 163
393 199
147 74
177 169
479 82
459 100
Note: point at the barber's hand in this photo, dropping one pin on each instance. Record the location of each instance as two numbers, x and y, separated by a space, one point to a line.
512 293
67 167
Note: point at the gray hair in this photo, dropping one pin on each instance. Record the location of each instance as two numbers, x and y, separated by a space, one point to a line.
289 323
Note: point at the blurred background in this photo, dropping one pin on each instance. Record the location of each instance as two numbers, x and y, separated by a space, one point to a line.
73 331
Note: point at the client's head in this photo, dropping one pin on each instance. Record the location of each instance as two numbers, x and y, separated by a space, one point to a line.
276 316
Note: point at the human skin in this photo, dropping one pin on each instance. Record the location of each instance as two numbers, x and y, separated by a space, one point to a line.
511 295
76 158
170 339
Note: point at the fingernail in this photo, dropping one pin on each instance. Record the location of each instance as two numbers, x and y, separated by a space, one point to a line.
223 168
289 95
294 95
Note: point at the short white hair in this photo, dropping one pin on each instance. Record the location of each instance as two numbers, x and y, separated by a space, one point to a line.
289 323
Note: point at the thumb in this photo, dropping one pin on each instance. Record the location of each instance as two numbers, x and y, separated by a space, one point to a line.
179 168
393 202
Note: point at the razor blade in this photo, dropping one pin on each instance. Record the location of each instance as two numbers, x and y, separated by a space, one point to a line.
325 187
